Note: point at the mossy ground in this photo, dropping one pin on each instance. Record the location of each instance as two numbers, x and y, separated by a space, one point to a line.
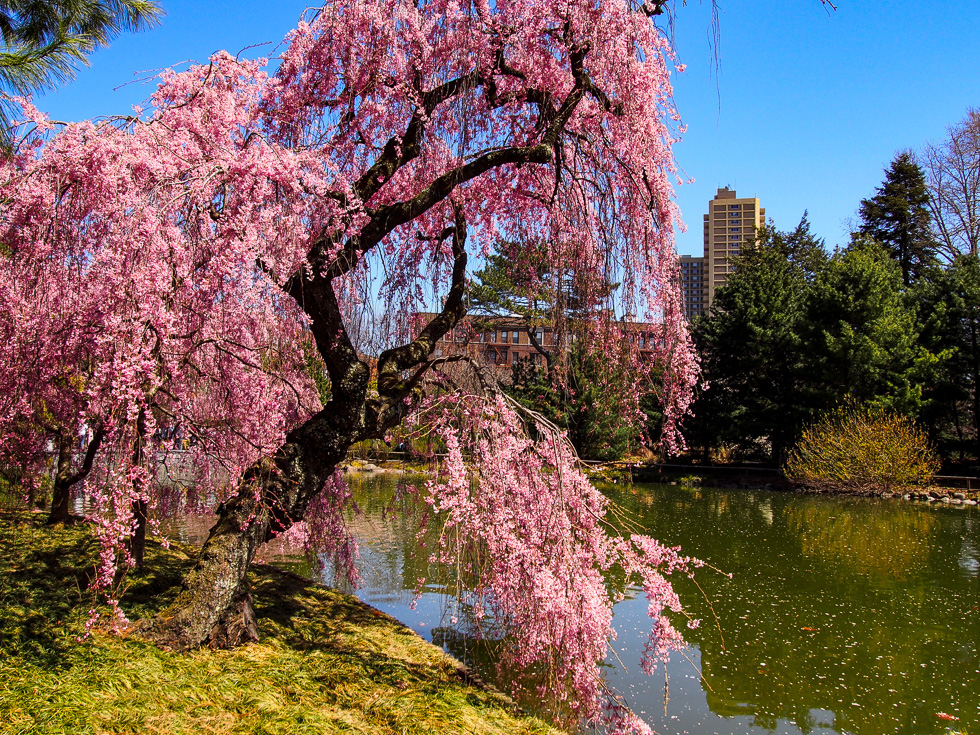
325 662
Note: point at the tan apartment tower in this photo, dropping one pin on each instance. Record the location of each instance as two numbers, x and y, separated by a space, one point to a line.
729 224
694 286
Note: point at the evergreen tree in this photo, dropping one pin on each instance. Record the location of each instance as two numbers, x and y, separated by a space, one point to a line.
583 400
516 281
571 389
861 335
950 305
521 281
794 332
752 354
898 217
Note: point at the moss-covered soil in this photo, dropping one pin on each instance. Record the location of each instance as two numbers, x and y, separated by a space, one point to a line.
325 663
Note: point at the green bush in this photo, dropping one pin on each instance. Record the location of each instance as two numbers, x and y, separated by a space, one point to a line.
862 450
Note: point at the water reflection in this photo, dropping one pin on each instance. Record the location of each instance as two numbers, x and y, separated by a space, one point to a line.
845 615
842 615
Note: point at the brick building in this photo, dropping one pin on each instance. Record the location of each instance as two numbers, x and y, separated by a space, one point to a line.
507 341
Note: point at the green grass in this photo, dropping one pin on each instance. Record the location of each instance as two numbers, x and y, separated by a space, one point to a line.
325 663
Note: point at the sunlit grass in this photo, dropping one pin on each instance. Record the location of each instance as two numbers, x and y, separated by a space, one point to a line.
325 663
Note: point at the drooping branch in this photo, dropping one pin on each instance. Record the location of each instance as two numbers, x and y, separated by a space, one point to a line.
387 218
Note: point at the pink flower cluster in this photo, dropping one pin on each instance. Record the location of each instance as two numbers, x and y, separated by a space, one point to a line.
527 527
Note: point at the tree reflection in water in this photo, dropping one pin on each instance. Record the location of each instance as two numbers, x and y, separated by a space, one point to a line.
845 615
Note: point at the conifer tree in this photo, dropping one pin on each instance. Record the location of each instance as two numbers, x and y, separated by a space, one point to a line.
753 354
898 217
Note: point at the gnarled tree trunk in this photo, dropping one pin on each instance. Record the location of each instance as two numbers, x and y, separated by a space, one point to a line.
214 607
65 479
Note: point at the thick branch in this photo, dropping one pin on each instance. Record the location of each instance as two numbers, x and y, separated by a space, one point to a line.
392 362
387 218
399 151
533 340
315 295
89 460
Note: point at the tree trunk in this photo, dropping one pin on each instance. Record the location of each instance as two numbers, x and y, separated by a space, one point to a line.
214 607
137 542
64 479
975 365
61 492
955 410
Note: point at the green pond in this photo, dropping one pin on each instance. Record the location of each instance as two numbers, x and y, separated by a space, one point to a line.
844 615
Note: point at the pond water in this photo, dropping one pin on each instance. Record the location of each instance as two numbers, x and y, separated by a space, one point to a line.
843 615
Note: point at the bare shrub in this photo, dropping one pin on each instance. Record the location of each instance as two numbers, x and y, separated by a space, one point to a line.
862 450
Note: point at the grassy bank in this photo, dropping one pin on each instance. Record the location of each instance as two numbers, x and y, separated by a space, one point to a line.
325 663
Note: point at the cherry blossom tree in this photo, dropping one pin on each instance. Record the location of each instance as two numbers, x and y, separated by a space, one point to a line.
209 247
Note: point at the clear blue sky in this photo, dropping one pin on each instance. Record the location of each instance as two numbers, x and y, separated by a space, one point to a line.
804 108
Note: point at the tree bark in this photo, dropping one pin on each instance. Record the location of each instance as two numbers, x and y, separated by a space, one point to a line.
975 365
137 542
214 607
64 478
61 492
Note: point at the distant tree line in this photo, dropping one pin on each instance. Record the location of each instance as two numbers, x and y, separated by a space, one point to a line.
890 320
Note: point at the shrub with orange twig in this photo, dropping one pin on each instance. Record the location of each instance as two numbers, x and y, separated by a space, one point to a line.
864 450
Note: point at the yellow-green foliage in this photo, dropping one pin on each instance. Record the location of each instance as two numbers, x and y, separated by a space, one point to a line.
861 449
325 662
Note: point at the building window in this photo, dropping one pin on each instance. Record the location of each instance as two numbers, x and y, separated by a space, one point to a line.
503 337
736 206
516 337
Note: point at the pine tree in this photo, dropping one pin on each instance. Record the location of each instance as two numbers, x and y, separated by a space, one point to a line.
45 41
898 217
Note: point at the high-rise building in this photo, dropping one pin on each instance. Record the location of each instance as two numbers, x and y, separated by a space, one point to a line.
729 225
694 286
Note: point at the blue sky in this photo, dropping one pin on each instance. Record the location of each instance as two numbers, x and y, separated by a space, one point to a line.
804 107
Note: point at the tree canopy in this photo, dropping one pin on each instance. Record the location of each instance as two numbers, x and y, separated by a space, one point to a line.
753 346
795 331
953 171
898 217
190 259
